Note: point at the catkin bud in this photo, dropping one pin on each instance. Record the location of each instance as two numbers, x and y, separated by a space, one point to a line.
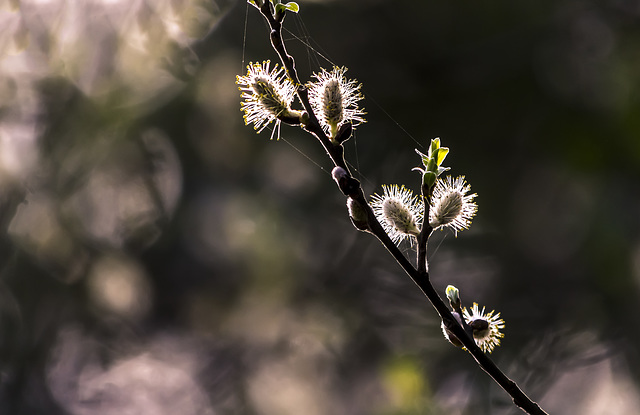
335 101
267 96
340 175
358 215
448 334
399 212
486 327
451 206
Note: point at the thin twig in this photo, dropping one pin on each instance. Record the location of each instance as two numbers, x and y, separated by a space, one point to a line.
351 187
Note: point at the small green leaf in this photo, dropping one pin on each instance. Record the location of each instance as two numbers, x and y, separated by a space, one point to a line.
442 153
435 145
292 6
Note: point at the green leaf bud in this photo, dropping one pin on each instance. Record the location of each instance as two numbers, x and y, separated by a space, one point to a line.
453 295
432 166
429 179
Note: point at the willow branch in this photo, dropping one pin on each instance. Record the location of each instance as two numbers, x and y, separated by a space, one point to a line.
351 187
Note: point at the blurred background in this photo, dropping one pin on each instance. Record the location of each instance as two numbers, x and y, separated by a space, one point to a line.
157 256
